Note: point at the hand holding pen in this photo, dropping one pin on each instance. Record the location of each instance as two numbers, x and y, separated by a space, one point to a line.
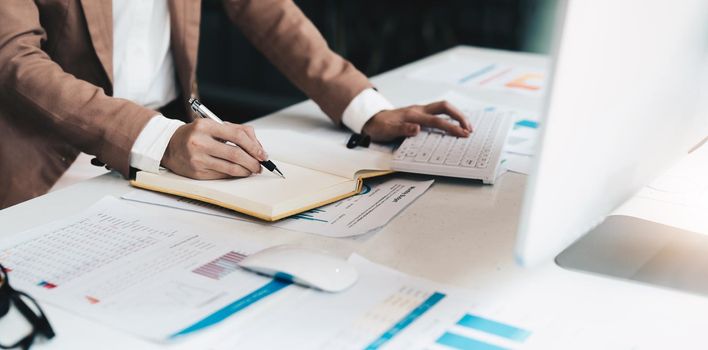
210 149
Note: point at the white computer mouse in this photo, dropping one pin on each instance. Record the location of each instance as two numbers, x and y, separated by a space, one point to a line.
304 266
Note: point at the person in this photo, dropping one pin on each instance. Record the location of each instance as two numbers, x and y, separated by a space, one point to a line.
100 77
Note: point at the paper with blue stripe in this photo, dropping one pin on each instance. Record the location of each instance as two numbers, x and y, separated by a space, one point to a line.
527 124
484 325
477 73
406 321
493 327
238 305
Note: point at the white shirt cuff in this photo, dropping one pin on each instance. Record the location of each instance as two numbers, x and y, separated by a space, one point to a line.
148 149
362 107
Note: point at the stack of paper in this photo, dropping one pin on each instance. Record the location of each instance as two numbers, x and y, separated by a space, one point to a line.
165 280
377 204
148 276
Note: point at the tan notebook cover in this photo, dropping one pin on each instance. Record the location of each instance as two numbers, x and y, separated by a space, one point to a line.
317 172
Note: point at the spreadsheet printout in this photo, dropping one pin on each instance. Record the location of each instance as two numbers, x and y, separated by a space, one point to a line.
147 275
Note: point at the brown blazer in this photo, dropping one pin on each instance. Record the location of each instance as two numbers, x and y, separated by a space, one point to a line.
56 80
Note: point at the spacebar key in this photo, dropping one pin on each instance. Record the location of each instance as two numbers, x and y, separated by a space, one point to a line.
453 158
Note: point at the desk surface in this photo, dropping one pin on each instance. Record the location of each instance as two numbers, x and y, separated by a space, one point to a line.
459 233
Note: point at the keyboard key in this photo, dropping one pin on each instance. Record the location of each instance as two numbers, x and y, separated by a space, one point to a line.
399 155
474 119
457 151
429 147
453 159
442 150
414 144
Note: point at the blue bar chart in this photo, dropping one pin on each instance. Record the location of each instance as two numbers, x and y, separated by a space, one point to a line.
474 332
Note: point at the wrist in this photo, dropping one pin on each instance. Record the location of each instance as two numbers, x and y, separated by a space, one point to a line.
172 149
366 128
363 108
149 147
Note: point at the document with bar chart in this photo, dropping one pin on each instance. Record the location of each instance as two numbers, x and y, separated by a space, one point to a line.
456 71
390 310
154 277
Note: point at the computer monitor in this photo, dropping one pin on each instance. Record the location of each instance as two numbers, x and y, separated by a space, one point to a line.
621 109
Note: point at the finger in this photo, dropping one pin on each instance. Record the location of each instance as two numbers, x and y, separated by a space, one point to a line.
433 121
234 154
196 169
226 167
444 107
208 175
252 134
237 135
410 129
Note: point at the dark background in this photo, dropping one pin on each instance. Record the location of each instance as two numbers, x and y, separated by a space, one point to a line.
239 84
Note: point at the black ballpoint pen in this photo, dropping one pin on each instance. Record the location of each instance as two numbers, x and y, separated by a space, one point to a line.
206 113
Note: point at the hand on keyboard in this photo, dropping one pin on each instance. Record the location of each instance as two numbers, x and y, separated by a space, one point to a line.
405 122
475 157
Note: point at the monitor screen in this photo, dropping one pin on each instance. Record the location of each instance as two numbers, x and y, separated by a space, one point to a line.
621 109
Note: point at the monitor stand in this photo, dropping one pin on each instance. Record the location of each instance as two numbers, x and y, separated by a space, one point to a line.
644 251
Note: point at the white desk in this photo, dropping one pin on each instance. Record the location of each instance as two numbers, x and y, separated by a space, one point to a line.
458 233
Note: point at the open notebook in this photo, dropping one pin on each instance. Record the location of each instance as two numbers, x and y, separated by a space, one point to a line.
317 171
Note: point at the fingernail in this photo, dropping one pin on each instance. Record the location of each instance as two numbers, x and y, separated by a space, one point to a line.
262 155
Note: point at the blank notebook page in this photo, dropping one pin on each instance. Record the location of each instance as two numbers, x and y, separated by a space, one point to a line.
323 155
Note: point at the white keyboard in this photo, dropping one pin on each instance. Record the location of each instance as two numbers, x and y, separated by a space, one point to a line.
475 157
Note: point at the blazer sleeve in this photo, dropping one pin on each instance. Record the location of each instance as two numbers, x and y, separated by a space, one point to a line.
291 42
47 97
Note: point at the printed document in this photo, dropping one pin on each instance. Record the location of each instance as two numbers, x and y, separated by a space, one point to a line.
154 277
387 309
484 74
380 200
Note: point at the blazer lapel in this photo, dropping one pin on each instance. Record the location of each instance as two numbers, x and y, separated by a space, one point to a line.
99 19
